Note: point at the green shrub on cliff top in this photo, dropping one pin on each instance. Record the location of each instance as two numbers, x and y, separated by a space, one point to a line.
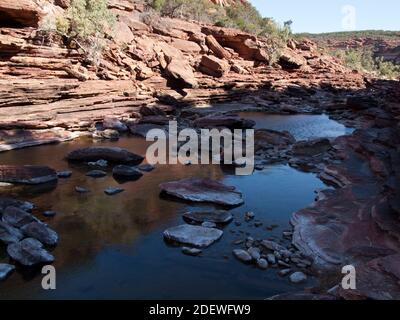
86 23
363 60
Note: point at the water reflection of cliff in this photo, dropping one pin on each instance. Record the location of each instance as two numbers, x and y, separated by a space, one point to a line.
86 223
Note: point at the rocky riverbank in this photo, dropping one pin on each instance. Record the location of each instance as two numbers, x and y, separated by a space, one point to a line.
161 69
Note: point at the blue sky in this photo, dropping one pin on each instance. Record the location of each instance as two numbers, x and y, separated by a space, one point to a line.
326 15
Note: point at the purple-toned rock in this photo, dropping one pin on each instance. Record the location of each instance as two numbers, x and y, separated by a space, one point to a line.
9 234
10 202
29 252
31 175
111 154
41 232
17 217
203 190
196 236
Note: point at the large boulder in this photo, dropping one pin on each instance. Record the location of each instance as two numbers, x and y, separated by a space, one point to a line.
289 59
111 154
213 66
195 236
182 72
216 48
29 252
203 190
175 64
27 174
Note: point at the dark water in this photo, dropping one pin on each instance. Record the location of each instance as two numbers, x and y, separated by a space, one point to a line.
112 247
301 126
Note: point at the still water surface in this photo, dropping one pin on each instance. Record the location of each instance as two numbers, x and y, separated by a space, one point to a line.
112 247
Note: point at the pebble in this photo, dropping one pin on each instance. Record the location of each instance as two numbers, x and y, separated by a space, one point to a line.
49 213
81 189
64 174
99 163
298 277
191 251
271 258
112 191
254 253
242 255
262 264
146 167
96 174
249 216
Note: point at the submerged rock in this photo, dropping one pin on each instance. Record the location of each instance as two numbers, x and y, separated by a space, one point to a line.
49 213
41 232
215 216
96 173
30 175
146 167
9 234
81 189
110 191
17 217
112 154
196 236
29 252
191 251
203 190
64 174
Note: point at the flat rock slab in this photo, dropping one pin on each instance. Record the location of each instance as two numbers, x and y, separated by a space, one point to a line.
216 216
203 190
30 175
195 236
10 202
9 234
41 232
29 252
17 217
111 154
5 270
